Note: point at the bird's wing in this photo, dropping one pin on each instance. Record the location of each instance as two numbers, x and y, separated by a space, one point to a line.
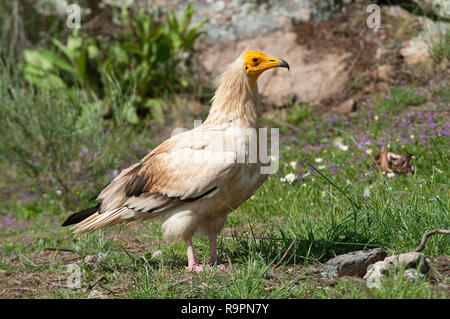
181 169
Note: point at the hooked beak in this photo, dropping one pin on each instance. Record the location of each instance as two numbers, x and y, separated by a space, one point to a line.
283 64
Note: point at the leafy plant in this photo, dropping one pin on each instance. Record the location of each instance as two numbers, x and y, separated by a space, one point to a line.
146 59
299 112
55 144
46 69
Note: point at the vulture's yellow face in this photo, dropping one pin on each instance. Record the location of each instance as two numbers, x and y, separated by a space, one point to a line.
256 62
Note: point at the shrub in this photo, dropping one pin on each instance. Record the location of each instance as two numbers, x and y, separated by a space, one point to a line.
146 58
55 143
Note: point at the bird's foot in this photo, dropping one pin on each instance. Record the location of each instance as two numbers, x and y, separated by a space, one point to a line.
195 267
199 267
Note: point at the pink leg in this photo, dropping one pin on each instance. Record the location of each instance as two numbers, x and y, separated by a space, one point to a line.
193 265
213 250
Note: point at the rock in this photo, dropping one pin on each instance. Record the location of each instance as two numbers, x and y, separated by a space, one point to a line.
355 263
385 72
95 294
309 80
346 107
156 253
440 8
238 19
410 260
416 264
413 274
375 274
415 51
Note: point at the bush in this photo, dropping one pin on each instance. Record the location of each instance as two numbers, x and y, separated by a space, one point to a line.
55 143
147 58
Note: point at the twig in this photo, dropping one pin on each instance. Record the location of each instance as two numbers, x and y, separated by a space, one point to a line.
285 254
96 282
60 249
109 290
428 234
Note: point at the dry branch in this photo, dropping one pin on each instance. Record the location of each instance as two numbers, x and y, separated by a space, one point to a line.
285 254
428 234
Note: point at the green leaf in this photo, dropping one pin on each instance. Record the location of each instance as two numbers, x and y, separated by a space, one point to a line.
38 59
48 81
93 51
64 49
129 113
156 109
186 18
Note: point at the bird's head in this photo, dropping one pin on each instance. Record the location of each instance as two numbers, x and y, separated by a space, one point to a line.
256 62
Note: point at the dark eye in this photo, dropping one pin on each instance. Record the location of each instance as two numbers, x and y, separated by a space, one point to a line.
255 59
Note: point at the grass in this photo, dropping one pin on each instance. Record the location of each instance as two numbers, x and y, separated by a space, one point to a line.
340 203
440 48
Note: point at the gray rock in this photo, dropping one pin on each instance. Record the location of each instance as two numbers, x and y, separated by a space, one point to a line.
413 274
245 19
355 263
440 8
416 264
96 294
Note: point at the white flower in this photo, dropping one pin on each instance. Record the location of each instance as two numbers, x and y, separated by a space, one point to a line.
321 167
343 147
366 192
376 117
369 151
319 160
412 136
289 178
58 192
338 143
293 164
390 175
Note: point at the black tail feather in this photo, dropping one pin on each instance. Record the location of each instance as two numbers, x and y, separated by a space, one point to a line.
81 215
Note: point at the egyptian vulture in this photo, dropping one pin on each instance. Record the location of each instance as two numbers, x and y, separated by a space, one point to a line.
195 178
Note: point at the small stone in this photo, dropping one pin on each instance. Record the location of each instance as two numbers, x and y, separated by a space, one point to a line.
412 274
415 51
95 294
156 253
384 72
346 107
375 274
355 263
416 264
